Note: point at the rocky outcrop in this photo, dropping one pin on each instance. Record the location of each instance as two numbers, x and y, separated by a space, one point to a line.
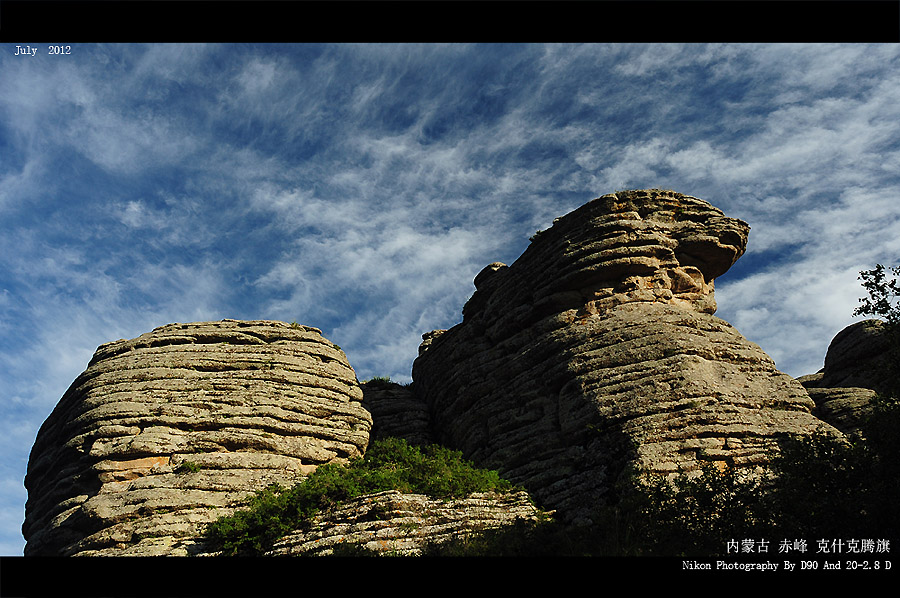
166 432
857 357
844 408
856 371
597 350
401 524
396 412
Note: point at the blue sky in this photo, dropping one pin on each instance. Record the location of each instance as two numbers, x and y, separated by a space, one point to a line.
360 188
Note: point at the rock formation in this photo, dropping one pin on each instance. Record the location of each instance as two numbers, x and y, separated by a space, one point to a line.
855 372
391 522
168 431
597 349
396 412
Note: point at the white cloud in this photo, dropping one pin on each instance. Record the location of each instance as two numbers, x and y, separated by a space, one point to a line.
21 187
793 312
257 76
649 60
794 309
127 142
638 165
135 214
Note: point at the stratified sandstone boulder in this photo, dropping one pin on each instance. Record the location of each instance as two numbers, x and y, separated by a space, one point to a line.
856 371
597 349
166 432
857 357
844 408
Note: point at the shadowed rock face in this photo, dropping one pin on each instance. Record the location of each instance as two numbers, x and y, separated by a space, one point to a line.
856 371
858 357
598 349
168 431
396 412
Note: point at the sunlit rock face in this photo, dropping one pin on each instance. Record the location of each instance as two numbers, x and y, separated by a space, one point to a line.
647 246
166 432
402 524
597 350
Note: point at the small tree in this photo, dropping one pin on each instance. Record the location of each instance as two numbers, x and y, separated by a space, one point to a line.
884 302
884 295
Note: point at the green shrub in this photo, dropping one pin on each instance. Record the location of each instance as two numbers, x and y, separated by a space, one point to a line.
688 515
389 464
188 467
850 487
651 516
821 487
379 382
884 295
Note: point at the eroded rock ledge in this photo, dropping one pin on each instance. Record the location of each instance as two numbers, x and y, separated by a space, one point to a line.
395 523
168 431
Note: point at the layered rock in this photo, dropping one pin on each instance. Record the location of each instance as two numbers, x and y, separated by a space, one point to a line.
166 432
396 412
855 372
395 523
597 350
857 357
